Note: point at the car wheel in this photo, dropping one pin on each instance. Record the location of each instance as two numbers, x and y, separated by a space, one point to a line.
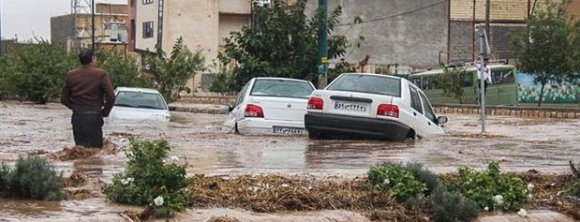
411 134
316 135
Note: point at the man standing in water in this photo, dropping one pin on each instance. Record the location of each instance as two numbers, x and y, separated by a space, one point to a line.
88 92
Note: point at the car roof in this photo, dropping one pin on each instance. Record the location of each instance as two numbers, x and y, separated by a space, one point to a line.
371 74
467 68
134 89
281 78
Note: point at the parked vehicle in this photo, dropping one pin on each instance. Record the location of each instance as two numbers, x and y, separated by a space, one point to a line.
270 106
139 104
380 106
503 91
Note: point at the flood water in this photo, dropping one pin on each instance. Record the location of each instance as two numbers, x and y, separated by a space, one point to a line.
519 144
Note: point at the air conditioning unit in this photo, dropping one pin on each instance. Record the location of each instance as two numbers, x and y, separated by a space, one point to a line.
263 3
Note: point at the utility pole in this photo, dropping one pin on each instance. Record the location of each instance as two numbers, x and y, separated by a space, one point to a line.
323 44
1 49
482 53
487 15
93 25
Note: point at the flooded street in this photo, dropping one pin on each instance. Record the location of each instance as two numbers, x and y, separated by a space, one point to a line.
519 144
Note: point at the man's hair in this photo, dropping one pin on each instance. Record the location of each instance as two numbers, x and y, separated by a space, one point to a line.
486 59
86 56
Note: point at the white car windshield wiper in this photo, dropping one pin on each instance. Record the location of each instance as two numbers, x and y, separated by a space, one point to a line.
148 107
124 105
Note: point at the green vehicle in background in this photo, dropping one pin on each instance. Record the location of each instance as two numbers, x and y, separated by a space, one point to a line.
503 91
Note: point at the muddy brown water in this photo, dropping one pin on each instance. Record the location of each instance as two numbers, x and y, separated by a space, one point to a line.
519 144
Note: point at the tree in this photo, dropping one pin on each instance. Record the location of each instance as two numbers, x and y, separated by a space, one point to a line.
173 72
450 81
282 43
549 47
37 71
123 70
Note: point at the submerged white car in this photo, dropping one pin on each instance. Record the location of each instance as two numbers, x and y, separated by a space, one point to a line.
380 106
139 104
268 105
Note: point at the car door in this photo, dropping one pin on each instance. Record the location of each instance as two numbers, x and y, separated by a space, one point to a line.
418 120
237 111
430 122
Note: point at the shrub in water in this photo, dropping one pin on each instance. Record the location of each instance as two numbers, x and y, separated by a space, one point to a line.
491 188
150 180
574 189
396 180
448 206
33 177
423 175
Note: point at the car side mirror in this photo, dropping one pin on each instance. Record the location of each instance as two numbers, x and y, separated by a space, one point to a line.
226 108
442 120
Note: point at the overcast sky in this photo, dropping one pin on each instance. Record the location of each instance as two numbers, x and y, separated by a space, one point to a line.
31 18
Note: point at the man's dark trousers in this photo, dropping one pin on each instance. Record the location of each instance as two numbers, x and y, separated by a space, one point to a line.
87 128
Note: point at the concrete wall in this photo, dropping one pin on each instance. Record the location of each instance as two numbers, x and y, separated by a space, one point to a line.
573 9
61 28
111 8
146 13
198 24
461 47
231 23
397 31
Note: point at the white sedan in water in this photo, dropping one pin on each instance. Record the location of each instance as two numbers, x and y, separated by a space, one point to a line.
268 105
139 104
362 104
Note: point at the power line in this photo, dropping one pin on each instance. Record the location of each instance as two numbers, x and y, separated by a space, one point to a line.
399 14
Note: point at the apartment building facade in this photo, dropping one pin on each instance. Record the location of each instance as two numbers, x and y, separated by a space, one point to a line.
203 24
75 30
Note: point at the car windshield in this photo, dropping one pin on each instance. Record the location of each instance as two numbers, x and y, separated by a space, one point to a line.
140 100
367 84
282 88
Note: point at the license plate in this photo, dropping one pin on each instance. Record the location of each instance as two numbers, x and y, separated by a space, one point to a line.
287 130
358 107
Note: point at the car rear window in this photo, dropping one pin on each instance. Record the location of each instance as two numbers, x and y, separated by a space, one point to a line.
140 100
382 85
281 88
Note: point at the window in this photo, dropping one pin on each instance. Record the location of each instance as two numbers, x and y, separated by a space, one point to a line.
502 76
467 79
281 88
147 30
427 108
140 100
242 94
146 2
415 100
382 85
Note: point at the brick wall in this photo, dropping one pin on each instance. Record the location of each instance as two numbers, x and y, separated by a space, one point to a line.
525 112
460 41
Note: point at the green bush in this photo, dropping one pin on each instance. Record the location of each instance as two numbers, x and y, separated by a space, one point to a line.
36 72
396 180
491 188
574 189
123 70
34 178
149 176
448 206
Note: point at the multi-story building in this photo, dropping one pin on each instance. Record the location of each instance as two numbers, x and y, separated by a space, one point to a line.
75 30
202 24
